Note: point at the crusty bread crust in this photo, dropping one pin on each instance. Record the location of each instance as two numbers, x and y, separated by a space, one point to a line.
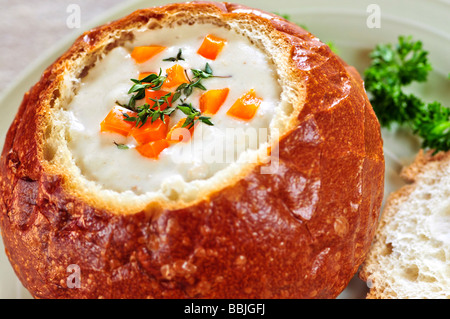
301 232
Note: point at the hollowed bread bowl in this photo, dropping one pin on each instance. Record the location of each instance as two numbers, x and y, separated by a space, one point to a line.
299 229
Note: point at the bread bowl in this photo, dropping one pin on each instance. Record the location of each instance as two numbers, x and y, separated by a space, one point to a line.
300 231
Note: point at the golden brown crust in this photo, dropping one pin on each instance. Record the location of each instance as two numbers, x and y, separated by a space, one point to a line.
301 232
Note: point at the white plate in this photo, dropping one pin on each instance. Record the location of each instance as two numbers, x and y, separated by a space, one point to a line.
342 22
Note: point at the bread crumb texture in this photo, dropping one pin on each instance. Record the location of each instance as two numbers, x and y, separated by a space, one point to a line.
410 258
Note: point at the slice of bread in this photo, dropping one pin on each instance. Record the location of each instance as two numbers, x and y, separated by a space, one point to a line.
410 256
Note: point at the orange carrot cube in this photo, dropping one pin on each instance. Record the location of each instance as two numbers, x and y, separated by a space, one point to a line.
211 47
152 149
182 134
212 100
150 132
114 121
145 53
175 76
246 106
156 95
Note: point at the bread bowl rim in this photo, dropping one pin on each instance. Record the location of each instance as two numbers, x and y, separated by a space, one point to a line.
105 40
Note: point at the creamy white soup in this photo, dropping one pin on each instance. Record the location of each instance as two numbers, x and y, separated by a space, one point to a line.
111 159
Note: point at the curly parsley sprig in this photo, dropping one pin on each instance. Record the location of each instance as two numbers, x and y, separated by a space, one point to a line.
393 68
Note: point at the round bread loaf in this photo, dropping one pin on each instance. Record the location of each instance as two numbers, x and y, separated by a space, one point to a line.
294 224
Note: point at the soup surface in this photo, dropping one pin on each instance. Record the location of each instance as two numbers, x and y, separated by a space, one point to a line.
112 159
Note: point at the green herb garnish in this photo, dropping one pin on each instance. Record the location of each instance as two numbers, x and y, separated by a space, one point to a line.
391 70
152 81
145 112
193 115
155 82
121 146
186 89
177 58
203 74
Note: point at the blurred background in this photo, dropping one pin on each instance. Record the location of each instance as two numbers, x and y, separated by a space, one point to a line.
30 28
33 29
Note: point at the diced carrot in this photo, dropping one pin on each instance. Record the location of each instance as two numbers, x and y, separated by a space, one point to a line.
156 95
144 75
211 47
114 121
175 76
246 106
150 132
212 100
152 149
145 53
182 134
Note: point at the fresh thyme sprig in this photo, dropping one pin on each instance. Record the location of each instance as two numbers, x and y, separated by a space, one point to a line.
155 82
152 81
121 146
206 73
196 82
177 58
203 74
193 115
145 111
